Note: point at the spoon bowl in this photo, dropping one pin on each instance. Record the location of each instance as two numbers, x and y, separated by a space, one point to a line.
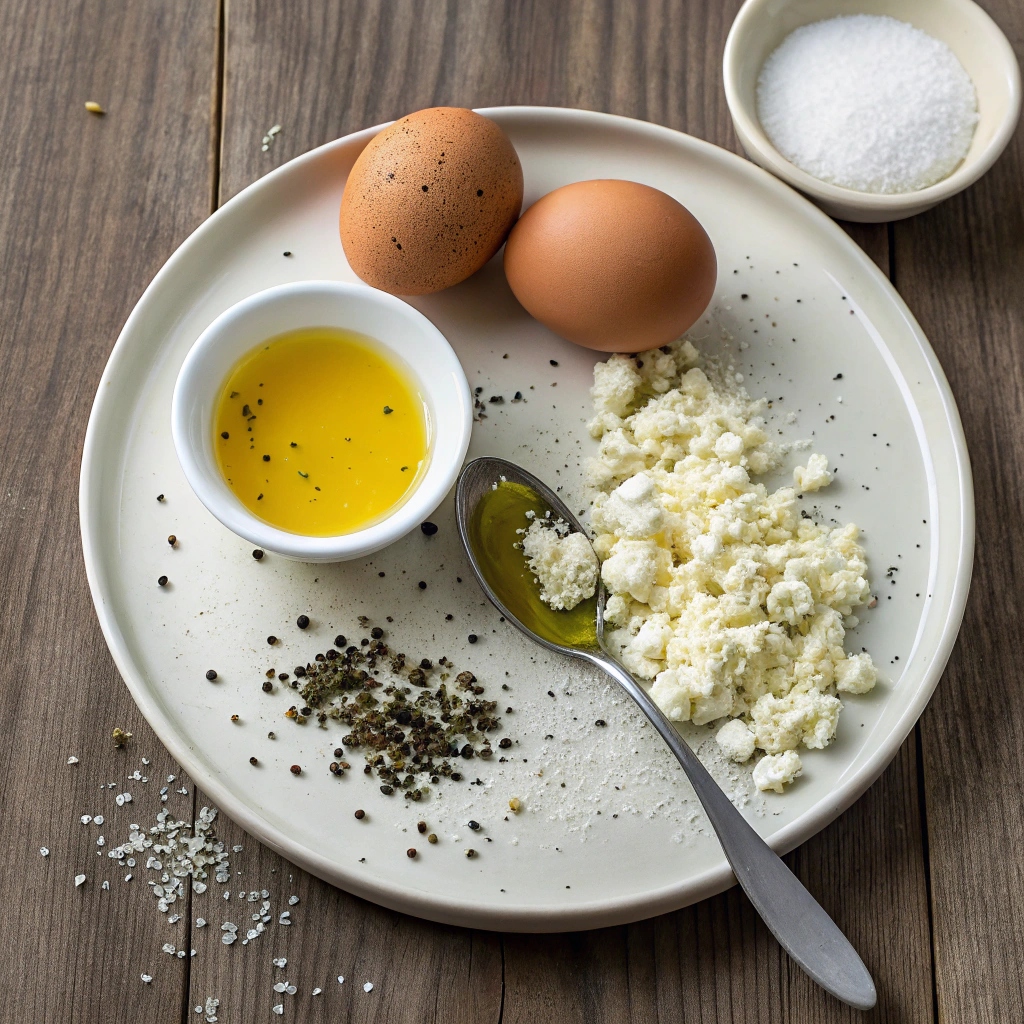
793 916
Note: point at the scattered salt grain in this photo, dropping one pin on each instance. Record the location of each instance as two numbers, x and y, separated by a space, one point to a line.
280 961
146 978
72 760
278 1008
98 820
167 947
317 991
280 986
868 103
86 818
341 979
368 987
200 922
292 900
105 885
44 851
79 879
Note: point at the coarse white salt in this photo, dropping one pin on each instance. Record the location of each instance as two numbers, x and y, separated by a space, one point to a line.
368 987
868 103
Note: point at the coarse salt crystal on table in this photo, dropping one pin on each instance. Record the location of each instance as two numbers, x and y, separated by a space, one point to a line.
79 879
278 1008
368 987
44 851
317 991
146 978
72 760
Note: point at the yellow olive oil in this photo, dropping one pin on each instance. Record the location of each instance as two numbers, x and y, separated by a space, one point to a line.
319 432
499 513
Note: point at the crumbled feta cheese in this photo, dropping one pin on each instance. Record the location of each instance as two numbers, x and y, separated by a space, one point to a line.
736 740
774 771
719 591
563 562
814 475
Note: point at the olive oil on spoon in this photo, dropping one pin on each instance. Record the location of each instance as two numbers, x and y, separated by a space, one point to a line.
491 501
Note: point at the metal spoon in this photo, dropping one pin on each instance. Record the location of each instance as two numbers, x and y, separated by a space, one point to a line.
792 915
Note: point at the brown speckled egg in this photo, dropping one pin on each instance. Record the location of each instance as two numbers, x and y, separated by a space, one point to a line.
611 265
430 200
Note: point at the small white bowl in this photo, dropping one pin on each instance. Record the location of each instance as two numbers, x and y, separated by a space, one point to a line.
962 25
399 328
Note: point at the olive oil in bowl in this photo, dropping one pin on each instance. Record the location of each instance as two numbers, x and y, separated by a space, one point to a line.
320 432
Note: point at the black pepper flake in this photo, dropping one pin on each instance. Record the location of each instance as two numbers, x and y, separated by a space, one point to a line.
551 693
377 632
302 622
268 687
295 769
159 497
257 553
266 458
224 434
553 362
472 638
432 838
449 617
474 825
388 410
172 540
421 827
744 296
429 529
271 640
504 743
287 253
387 790
422 584
253 761
600 722
211 674
360 814
471 854
161 581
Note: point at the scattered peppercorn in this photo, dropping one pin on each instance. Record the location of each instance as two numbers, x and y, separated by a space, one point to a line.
387 790
268 687
224 434
410 853
471 854
388 410
266 458
271 640
288 253
161 581
600 722
283 676
421 827
295 769
211 674
432 838
300 671
159 497
474 825
360 814
504 743
234 718
429 529
257 554
253 761
472 638
376 632
302 621
553 362
339 641
422 584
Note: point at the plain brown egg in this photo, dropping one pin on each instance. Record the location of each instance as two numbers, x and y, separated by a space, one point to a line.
613 265
430 200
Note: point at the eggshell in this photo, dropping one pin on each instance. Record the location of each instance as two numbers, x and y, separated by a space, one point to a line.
430 200
612 265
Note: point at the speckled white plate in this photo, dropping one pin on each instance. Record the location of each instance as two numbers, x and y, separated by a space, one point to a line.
609 831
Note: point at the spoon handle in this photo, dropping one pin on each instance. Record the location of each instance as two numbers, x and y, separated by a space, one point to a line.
791 913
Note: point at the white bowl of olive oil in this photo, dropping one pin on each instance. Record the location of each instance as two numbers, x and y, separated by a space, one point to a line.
321 420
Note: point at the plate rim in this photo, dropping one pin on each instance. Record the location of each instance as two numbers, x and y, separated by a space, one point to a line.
467 913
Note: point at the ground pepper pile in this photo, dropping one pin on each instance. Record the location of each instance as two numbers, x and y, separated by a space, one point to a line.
410 734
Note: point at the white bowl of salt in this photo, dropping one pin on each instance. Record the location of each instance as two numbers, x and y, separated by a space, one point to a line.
877 111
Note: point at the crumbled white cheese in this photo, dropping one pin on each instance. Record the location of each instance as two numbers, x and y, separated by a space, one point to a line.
814 475
563 562
775 771
736 740
719 591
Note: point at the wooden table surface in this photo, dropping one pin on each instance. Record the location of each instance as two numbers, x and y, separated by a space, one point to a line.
924 873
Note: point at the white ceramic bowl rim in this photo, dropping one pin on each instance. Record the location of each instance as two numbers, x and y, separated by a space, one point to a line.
428 357
965 174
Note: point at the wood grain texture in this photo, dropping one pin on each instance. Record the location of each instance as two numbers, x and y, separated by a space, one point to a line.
324 70
959 268
89 209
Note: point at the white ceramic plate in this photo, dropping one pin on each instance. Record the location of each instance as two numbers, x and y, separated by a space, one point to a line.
609 831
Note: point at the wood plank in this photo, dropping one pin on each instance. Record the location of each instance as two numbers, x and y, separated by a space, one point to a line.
90 208
959 267
323 70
